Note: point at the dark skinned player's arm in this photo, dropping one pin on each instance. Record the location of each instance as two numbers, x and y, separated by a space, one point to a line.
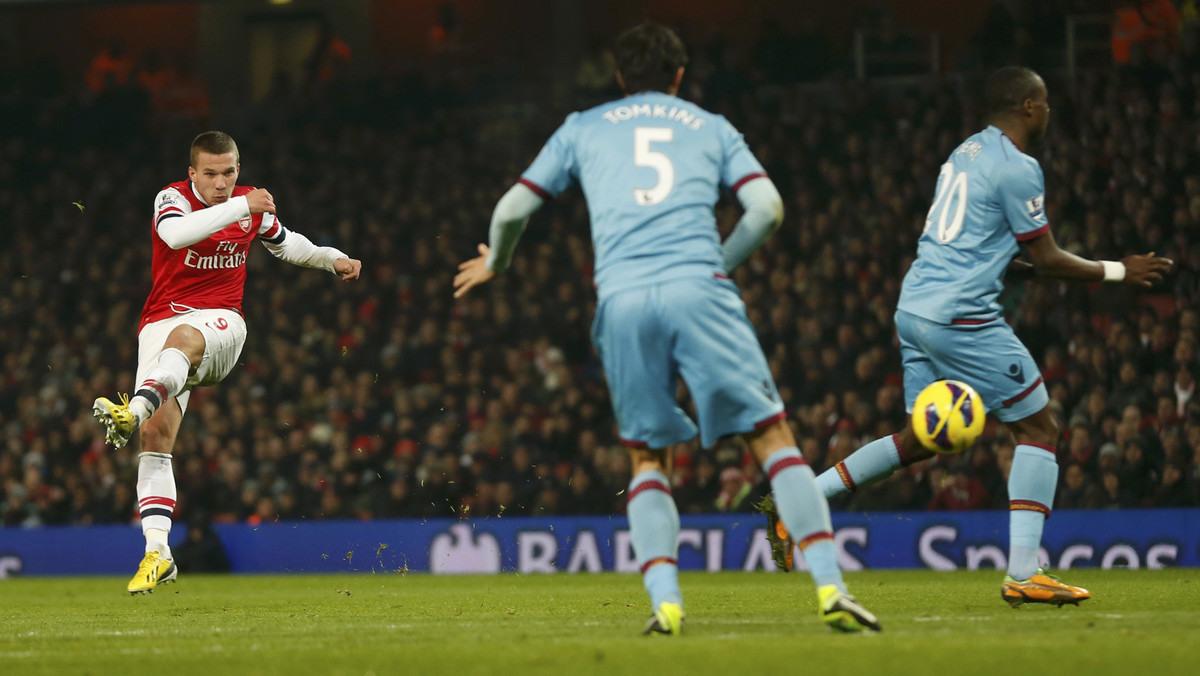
1050 261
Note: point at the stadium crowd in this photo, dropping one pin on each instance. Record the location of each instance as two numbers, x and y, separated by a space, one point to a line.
388 399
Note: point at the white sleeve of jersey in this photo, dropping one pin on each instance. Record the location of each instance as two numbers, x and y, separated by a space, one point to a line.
179 226
763 215
508 222
288 245
271 229
170 202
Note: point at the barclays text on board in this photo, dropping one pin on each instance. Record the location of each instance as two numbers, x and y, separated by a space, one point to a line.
931 540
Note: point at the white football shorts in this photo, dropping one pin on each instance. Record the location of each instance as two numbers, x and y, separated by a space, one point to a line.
224 337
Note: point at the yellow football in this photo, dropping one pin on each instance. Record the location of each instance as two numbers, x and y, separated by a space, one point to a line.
948 416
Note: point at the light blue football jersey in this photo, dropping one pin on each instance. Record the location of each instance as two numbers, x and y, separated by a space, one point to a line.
989 197
651 167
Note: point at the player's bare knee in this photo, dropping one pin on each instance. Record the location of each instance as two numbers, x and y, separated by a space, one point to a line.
911 447
763 442
189 340
648 460
1049 431
1040 428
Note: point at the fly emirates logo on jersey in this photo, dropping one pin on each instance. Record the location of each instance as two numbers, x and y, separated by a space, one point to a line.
227 256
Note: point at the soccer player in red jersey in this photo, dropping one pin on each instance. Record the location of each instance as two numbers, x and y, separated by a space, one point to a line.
192 331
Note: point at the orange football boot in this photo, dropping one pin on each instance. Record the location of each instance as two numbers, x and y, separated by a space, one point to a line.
1041 588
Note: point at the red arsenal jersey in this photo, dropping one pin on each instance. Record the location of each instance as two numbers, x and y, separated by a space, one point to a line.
208 275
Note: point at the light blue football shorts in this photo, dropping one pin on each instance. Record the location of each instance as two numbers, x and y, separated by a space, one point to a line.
986 356
695 328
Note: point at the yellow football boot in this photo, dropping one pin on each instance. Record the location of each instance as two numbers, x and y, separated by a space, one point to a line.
152 571
116 418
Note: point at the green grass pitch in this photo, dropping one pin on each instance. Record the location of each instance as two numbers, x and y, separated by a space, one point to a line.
743 624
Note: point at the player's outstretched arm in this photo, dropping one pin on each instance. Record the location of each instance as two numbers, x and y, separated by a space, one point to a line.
508 222
297 249
1051 261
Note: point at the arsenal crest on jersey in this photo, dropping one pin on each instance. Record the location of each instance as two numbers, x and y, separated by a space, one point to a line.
244 224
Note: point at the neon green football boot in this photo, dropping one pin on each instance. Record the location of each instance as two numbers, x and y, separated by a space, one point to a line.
666 620
841 612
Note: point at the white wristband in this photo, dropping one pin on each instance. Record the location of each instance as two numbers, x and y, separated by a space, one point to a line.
1114 271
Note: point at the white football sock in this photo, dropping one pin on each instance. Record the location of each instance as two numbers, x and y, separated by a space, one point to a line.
156 500
165 381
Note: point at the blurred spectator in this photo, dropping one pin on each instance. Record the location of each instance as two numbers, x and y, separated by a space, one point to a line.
329 60
1137 474
112 66
1148 25
202 551
1112 494
1175 490
594 78
960 490
1077 490
154 74
735 492
1185 389
700 493
583 496
1079 447
445 34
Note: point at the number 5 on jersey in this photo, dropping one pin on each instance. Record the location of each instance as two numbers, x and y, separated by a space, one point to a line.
951 189
643 156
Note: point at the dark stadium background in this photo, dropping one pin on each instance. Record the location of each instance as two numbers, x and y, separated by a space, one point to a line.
389 129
